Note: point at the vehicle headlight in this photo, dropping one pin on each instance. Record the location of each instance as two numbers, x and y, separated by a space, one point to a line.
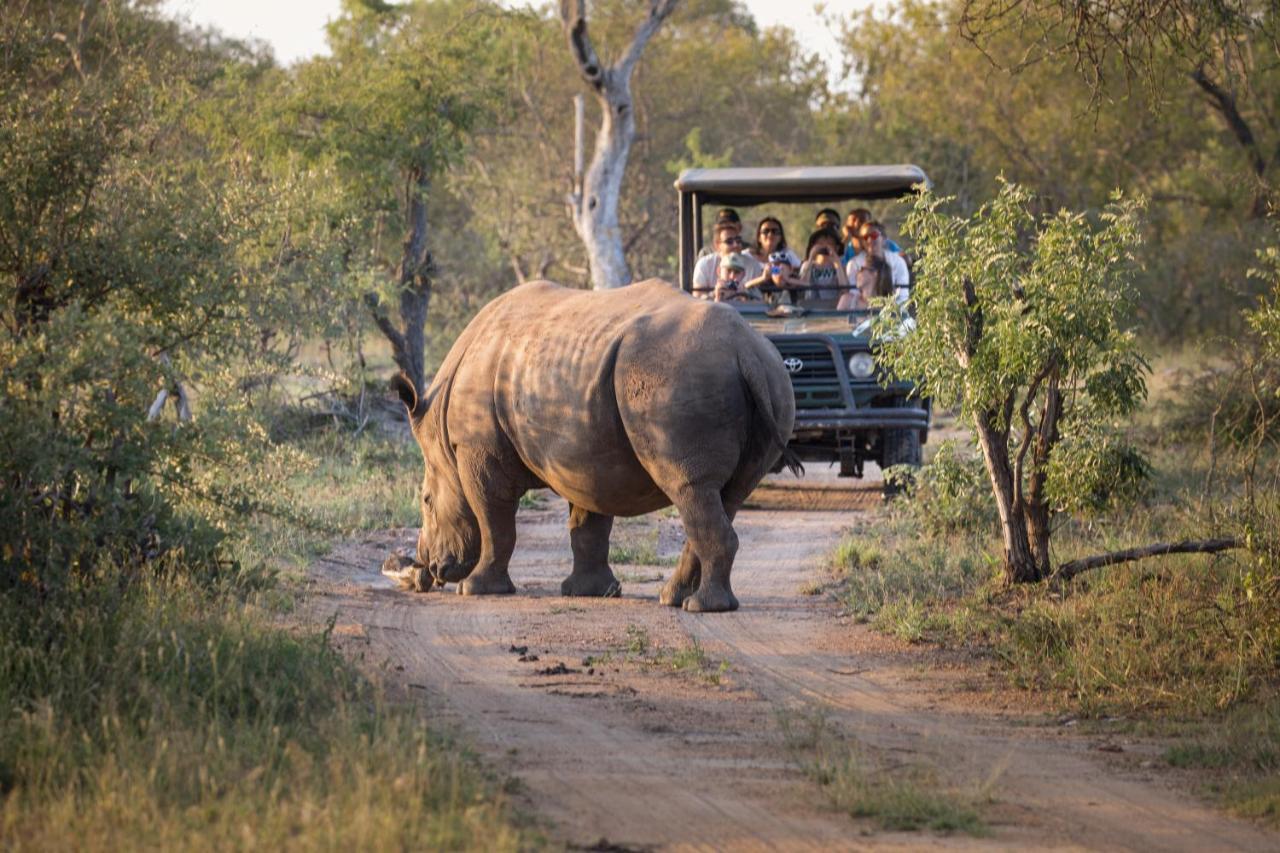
862 365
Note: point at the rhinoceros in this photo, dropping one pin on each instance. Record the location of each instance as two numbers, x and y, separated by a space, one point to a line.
622 402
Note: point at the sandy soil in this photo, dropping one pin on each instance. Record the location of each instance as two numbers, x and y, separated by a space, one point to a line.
618 749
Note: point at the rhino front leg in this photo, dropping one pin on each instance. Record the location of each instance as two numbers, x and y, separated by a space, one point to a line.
496 517
684 580
710 533
497 541
589 538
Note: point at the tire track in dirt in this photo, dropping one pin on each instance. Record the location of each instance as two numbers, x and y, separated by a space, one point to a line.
637 756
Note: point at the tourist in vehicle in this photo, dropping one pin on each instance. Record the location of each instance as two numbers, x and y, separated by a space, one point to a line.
706 272
874 256
827 218
872 279
853 222
724 216
771 238
822 273
779 285
731 281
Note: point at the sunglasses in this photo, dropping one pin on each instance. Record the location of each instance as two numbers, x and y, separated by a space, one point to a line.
871 235
732 241
773 232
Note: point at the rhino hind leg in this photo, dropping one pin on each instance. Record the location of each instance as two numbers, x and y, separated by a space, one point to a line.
684 580
589 538
710 533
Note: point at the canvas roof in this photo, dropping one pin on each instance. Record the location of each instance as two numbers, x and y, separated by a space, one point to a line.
747 186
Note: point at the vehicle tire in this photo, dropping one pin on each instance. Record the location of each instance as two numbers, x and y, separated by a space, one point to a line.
900 447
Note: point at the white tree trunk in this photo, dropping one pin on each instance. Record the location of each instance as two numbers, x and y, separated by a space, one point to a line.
594 203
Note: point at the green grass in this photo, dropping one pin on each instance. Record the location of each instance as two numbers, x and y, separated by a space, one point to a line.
635 543
903 798
690 660
349 484
1239 752
163 714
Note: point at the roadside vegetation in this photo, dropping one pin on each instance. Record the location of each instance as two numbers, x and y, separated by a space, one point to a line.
1179 645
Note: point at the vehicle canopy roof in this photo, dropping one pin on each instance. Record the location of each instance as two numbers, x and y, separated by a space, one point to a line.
749 186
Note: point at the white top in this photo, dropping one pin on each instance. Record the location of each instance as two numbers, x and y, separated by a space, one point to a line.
704 273
897 268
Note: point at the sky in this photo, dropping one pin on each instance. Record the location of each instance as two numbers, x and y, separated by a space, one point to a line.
295 28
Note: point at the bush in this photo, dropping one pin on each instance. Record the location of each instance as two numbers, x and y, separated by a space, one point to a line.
950 494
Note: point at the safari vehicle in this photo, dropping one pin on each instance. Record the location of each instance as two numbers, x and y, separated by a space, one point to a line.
846 410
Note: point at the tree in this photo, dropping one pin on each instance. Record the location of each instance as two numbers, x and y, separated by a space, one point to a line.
1021 321
380 121
1227 49
129 230
927 95
752 106
595 203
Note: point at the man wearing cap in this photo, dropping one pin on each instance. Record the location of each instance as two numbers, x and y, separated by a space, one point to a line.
731 283
706 273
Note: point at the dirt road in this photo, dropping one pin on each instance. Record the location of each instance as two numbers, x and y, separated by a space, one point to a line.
640 726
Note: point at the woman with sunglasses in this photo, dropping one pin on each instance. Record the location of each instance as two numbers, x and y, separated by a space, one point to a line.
876 269
770 239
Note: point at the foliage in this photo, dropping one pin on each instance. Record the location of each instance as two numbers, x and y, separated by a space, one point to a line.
1022 322
753 106
156 715
129 229
920 92
946 496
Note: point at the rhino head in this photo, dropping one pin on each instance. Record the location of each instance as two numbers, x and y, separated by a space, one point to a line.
449 540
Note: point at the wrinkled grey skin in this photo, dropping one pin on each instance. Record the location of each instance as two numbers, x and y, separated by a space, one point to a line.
623 402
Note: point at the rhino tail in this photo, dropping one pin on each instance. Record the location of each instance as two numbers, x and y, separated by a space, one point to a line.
757 383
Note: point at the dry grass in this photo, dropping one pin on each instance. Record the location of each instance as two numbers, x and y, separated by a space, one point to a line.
169 716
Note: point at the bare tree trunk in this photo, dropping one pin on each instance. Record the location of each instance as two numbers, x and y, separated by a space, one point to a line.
594 203
414 275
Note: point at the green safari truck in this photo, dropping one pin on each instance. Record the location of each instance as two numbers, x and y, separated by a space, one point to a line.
847 412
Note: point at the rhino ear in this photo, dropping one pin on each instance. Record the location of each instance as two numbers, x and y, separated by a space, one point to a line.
403 386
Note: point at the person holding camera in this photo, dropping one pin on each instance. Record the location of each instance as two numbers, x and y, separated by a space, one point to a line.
779 285
731 282
706 273
822 272
771 239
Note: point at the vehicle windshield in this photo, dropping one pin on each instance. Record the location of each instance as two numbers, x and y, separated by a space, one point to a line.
810 322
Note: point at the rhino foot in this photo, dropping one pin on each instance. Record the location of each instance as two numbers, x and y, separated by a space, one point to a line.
711 600
593 585
485 585
674 593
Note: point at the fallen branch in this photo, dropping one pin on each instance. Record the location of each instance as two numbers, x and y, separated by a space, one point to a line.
1067 571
